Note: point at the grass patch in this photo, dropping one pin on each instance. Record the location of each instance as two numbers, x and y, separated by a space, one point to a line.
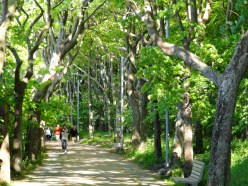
100 138
239 163
4 184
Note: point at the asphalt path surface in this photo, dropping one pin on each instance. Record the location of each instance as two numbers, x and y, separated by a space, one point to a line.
87 165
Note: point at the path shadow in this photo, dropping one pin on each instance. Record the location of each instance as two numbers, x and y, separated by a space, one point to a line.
87 165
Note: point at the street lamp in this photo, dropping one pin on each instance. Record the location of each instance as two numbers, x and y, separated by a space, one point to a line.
78 85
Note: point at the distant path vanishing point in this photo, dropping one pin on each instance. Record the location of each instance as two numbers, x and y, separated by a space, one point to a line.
87 165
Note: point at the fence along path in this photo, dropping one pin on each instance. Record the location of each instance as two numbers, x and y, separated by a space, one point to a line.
87 165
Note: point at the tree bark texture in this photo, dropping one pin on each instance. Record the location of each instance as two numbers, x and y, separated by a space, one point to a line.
18 137
143 100
134 102
19 88
219 172
178 137
4 146
33 145
8 12
188 136
157 136
198 137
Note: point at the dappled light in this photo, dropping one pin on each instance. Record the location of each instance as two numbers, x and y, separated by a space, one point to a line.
87 165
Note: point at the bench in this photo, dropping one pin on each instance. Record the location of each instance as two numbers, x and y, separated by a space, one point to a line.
195 176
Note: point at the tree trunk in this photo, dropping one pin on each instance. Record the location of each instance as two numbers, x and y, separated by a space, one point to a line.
3 30
188 136
227 83
134 102
178 138
4 146
6 16
91 126
113 95
143 112
198 137
33 142
19 88
18 137
157 136
219 171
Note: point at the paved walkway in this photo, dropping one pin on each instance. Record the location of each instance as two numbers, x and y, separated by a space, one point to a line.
87 165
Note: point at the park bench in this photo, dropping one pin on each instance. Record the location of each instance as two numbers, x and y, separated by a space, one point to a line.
195 176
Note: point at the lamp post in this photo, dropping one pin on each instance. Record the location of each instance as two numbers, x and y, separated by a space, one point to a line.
167 137
78 86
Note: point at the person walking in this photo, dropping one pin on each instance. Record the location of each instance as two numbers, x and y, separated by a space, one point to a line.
73 134
48 133
57 132
64 138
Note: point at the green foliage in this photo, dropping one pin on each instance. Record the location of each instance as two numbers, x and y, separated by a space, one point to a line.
147 158
4 184
239 163
240 116
119 3
238 20
163 75
55 111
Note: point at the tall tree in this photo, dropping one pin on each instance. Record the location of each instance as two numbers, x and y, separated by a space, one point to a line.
227 84
157 134
60 40
20 85
134 40
4 144
7 13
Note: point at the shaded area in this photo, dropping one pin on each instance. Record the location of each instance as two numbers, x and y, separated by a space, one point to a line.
87 165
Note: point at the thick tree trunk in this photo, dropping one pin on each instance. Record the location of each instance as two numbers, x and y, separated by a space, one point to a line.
4 146
3 30
188 135
178 137
157 137
143 112
198 137
18 137
219 172
134 102
6 16
227 84
19 88
34 142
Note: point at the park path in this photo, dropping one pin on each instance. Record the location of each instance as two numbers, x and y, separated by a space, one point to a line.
87 165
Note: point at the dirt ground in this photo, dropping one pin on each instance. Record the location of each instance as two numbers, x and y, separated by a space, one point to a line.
87 165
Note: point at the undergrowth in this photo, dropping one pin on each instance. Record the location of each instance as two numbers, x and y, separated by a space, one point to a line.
28 166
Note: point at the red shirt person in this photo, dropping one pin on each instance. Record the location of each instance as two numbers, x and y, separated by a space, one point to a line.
57 132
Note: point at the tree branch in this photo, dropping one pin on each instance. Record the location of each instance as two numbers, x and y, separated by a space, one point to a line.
174 50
